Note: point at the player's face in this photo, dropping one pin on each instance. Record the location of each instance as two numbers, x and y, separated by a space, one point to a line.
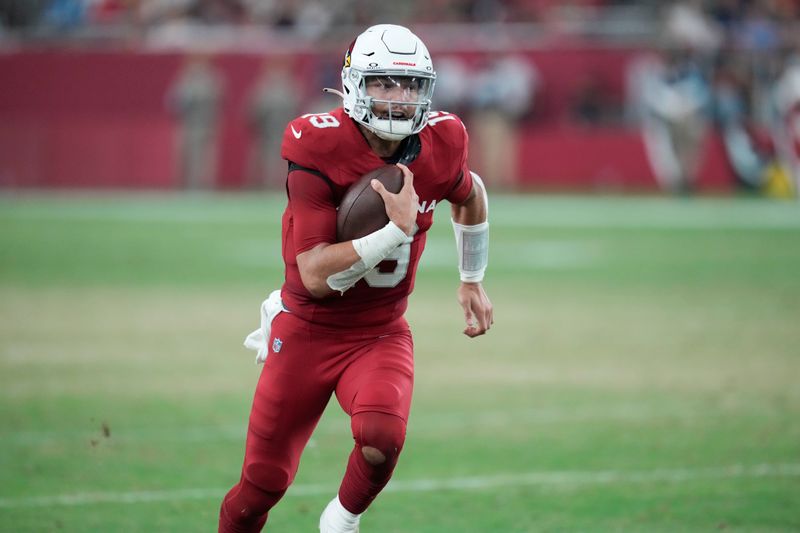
395 91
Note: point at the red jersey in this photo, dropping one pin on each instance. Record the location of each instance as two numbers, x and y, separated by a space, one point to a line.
327 153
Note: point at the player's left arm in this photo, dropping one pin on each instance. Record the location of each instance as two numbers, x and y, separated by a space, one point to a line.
471 226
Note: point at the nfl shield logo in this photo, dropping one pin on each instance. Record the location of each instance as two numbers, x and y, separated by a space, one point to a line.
277 344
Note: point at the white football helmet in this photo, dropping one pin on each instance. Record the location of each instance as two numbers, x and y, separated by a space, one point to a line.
394 65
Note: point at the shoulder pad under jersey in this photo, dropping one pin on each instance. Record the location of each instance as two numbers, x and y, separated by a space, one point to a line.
310 138
448 128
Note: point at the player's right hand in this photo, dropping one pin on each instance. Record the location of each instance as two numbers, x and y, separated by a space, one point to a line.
401 208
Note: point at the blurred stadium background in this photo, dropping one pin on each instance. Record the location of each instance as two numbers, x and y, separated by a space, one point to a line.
643 163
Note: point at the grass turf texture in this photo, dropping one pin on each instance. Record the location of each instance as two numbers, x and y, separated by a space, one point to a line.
641 374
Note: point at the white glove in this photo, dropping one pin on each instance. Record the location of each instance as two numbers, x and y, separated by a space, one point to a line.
258 339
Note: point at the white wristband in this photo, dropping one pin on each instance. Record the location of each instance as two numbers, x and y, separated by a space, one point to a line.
372 249
473 250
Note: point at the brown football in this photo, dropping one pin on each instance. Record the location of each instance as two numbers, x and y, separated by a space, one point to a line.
362 210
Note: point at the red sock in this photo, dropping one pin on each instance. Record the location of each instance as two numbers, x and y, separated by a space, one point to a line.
363 482
241 509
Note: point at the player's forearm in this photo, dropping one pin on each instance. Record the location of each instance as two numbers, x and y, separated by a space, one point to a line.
471 227
319 263
337 267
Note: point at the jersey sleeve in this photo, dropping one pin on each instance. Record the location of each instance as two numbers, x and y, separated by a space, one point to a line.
309 142
313 210
293 149
462 179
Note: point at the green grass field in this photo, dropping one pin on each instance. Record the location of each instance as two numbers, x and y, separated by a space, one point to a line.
642 374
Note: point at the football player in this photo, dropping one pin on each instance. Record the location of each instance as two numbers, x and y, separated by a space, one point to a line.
337 326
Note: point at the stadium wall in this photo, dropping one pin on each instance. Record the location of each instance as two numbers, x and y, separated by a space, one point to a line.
80 118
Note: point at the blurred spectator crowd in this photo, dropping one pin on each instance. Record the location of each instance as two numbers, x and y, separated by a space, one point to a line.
731 65
307 17
750 23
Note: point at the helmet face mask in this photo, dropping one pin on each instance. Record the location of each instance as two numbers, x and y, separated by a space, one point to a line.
388 82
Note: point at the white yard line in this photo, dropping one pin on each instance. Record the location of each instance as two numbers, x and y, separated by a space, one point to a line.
575 479
518 211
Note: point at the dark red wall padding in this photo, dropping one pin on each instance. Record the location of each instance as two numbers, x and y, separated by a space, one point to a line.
93 119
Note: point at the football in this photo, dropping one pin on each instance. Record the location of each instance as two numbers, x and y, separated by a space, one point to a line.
362 210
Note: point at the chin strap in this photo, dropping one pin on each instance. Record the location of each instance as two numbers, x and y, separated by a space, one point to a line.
387 134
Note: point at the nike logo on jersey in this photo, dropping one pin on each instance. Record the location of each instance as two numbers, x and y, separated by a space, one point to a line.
297 134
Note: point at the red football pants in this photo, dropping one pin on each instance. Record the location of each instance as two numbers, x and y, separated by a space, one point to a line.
371 371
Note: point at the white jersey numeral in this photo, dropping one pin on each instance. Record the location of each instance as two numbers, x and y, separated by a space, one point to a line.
438 116
386 280
322 120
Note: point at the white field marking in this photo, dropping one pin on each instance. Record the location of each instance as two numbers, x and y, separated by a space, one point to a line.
650 213
251 253
509 211
191 209
664 222
542 254
573 479
430 422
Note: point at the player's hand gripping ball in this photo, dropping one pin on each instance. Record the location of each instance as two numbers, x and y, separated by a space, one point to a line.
362 210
